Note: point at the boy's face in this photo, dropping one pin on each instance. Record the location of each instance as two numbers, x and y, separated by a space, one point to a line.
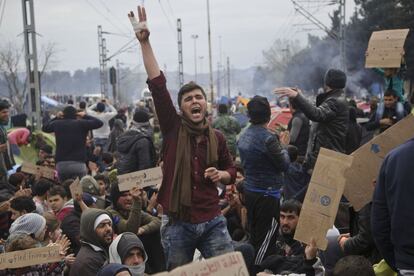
389 101
194 106
56 202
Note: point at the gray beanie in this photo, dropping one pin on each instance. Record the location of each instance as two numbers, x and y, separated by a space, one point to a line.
89 185
335 79
28 224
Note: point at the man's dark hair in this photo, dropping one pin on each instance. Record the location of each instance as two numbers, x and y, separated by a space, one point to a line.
65 185
293 153
41 187
390 92
69 112
258 109
23 203
239 168
291 205
47 148
70 101
222 109
82 105
101 177
16 178
57 190
292 104
352 266
107 158
188 87
4 104
100 107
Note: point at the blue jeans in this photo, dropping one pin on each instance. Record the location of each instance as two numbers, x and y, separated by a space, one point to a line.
180 240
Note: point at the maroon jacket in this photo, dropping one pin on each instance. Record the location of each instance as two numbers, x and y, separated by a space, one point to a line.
204 199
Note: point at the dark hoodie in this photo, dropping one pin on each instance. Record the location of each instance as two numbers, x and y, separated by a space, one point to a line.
93 254
136 151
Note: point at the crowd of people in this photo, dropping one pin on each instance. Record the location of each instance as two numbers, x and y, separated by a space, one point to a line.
224 188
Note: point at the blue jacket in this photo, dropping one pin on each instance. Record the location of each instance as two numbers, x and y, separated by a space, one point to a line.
392 218
263 159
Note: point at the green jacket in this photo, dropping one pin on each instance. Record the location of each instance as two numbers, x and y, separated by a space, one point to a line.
134 219
230 127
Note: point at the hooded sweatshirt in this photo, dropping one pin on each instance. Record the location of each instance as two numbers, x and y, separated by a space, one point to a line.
93 253
121 246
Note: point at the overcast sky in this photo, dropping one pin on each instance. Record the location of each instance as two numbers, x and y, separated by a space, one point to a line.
246 28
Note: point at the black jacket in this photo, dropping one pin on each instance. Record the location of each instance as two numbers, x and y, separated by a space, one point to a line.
361 241
136 151
302 134
71 228
71 136
331 113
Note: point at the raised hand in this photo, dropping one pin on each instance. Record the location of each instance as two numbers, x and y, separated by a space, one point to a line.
140 27
286 92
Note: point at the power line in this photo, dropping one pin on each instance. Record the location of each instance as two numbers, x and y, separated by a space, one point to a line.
166 16
105 17
109 11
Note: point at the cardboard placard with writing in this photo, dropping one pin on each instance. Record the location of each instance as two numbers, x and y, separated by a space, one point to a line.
141 179
29 257
230 264
368 158
75 188
322 198
385 48
38 170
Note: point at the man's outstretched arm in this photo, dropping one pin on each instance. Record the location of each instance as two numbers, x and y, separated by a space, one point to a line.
142 33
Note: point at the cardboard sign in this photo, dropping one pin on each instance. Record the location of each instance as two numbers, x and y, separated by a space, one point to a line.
230 264
367 161
141 179
322 198
75 188
385 48
30 257
38 170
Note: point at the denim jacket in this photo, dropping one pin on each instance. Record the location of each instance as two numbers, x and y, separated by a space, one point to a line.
263 159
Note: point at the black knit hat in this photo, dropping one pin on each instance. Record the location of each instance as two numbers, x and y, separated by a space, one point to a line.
335 79
258 110
4 104
141 116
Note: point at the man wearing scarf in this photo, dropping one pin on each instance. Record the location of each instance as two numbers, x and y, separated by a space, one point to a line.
195 158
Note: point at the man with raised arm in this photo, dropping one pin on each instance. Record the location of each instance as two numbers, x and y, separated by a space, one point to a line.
195 159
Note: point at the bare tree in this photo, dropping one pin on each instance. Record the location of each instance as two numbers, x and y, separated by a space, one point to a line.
12 70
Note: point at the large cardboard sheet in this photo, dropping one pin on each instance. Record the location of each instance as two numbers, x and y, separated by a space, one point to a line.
385 48
322 198
367 161
141 179
230 264
38 170
29 257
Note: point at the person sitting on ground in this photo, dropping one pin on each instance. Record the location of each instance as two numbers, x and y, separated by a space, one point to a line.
288 252
389 111
20 206
71 223
40 190
59 202
127 249
96 235
129 217
91 186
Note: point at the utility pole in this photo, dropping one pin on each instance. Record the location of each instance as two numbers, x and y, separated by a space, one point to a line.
228 77
113 80
342 34
209 53
102 63
180 53
195 36
218 79
33 82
